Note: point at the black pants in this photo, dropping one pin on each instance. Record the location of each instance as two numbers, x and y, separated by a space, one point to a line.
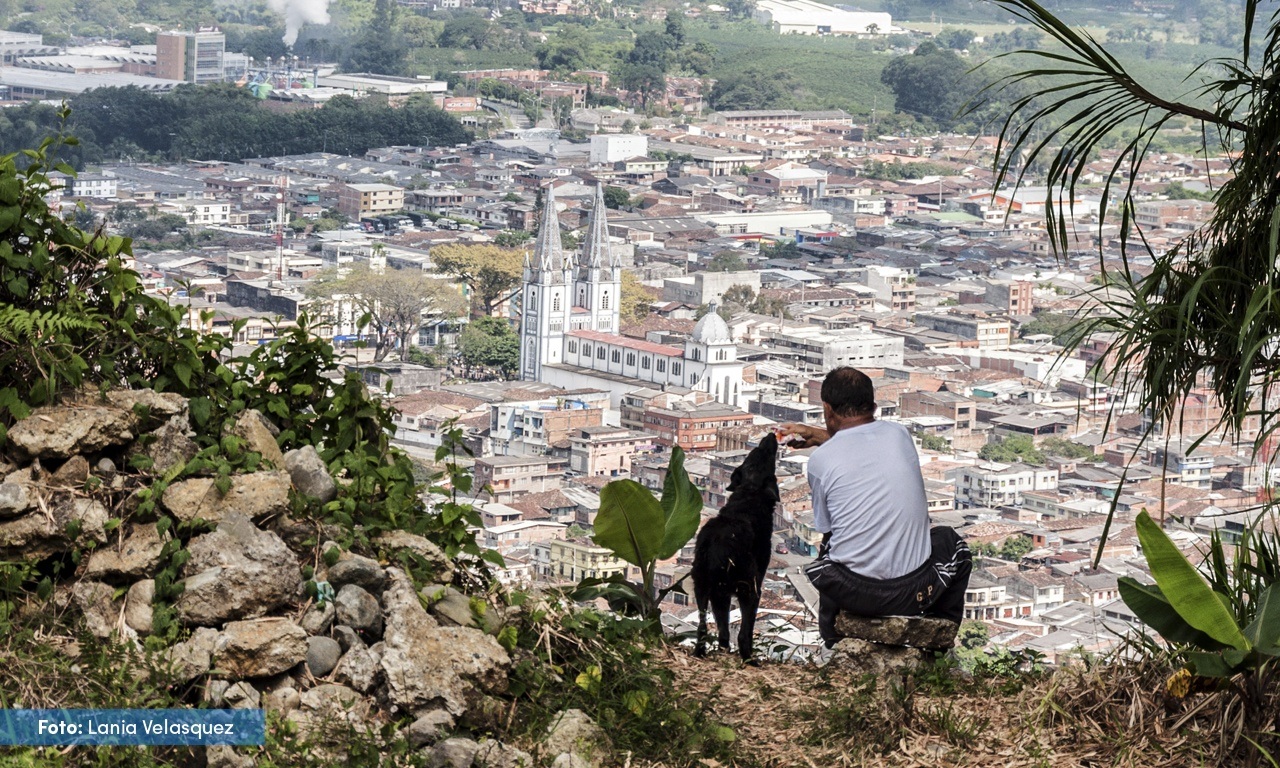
934 589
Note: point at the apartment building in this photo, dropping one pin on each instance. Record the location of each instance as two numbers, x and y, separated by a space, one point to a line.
984 332
509 477
817 349
361 200
194 57
606 451
693 428
992 484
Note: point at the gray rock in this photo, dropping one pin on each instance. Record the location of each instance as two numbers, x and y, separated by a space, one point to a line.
17 494
159 406
318 618
310 476
915 631
358 669
327 705
37 536
429 728
322 655
862 657
242 695
282 700
256 496
72 474
138 612
453 753
60 431
454 608
105 466
574 731
440 563
358 609
570 760
431 667
259 647
255 430
347 638
361 571
223 756
194 656
236 572
136 557
495 754
101 613
172 445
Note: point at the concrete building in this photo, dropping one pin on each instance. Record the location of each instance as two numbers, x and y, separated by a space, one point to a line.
984 332
606 451
816 349
572 561
537 427
361 200
607 149
805 17
707 287
693 428
894 287
193 57
509 477
992 484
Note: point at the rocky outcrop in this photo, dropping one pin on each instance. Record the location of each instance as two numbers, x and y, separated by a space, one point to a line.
41 534
915 631
61 431
256 496
135 557
256 432
259 647
237 571
428 666
309 474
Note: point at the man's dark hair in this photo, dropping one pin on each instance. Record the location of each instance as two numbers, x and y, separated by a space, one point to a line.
849 392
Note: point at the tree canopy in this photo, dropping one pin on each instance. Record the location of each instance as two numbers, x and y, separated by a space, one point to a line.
397 302
490 342
490 272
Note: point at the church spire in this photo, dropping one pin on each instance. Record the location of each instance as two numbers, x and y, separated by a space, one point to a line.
596 252
549 252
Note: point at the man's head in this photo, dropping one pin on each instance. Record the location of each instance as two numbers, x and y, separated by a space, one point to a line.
847 395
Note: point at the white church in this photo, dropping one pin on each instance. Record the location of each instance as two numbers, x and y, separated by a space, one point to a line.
571 315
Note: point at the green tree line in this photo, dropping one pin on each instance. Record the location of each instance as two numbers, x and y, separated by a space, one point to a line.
221 123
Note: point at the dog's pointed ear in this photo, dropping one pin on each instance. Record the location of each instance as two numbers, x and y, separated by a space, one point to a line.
735 479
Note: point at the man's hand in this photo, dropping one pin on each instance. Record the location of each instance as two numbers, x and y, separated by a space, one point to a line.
802 435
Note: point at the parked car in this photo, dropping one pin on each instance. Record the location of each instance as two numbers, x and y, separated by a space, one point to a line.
782 549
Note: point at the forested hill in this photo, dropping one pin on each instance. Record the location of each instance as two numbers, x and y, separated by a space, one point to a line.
222 123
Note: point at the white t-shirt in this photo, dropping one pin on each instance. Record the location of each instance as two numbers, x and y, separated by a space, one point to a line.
869 494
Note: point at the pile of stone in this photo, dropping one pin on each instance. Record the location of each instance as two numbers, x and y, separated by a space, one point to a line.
379 649
890 645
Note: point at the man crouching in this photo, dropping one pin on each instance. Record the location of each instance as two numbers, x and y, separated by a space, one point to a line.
879 556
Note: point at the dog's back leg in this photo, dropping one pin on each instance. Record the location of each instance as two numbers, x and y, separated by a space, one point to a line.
749 603
701 648
720 603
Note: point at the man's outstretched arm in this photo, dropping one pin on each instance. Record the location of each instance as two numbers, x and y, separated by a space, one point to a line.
802 435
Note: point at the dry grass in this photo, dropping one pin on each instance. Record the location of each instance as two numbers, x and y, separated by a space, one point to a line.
804 716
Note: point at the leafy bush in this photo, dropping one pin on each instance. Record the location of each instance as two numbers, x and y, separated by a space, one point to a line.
643 530
1227 630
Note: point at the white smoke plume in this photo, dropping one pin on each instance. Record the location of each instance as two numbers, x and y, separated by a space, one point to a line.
299 12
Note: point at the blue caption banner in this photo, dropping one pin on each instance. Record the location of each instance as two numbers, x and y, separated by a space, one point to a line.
132 727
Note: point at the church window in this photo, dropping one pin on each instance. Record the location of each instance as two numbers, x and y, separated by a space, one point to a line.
693 379
600 352
604 300
662 364
697 354
573 347
557 326
617 356
631 358
555 303
586 350
533 300
644 362
675 369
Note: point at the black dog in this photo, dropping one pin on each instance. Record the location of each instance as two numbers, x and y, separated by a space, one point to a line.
732 553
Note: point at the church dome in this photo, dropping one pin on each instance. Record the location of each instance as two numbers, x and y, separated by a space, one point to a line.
711 329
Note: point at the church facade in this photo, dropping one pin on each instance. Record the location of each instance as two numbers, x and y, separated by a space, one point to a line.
570 318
